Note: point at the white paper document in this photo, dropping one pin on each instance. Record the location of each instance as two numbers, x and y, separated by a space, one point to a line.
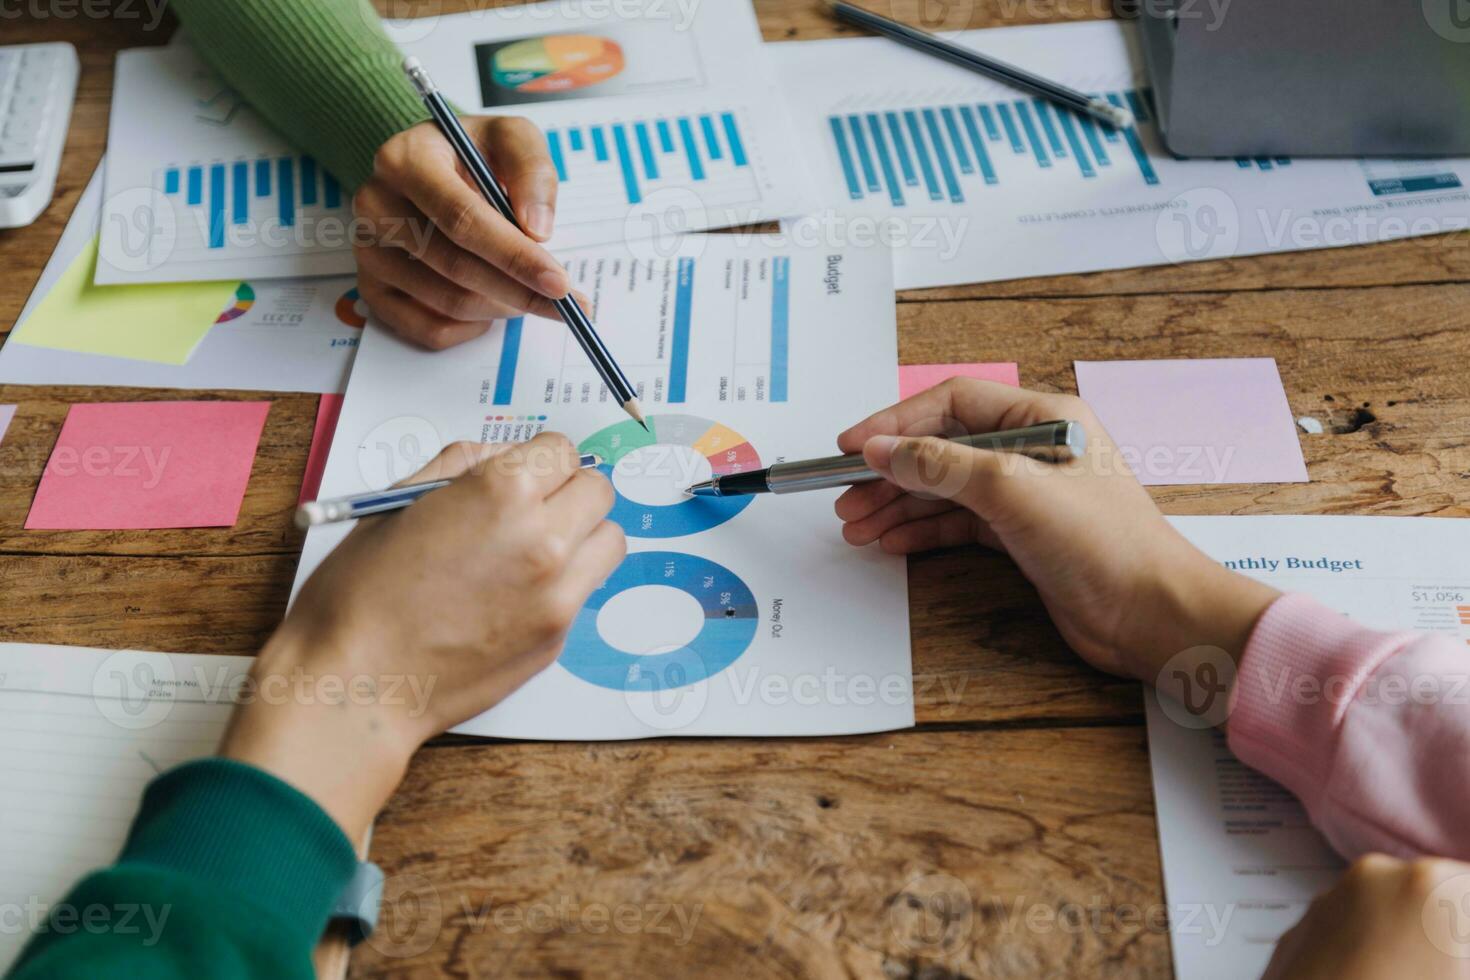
734 616
84 732
200 188
973 181
276 335
661 118
1241 861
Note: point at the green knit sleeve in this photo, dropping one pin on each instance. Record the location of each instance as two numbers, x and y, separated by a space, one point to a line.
321 71
228 873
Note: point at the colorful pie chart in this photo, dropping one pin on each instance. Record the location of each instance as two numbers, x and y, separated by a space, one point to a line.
557 63
351 310
728 624
646 456
244 299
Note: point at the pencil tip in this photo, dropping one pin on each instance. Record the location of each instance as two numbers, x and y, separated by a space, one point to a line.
632 407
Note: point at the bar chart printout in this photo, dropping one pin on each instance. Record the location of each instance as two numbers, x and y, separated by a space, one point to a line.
250 196
657 125
941 153
198 188
633 158
976 182
658 339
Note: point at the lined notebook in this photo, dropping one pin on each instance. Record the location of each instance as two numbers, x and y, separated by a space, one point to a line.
82 731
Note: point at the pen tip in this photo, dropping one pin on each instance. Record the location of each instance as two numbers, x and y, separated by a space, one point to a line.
709 488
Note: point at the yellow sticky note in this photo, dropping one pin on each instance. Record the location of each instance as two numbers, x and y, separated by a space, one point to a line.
162 323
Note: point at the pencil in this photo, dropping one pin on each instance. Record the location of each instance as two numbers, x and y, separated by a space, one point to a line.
317 512
964 57
568 308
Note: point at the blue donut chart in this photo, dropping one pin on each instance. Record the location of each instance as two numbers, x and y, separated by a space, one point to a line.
730 622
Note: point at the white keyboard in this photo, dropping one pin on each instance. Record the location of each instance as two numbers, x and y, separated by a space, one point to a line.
38 83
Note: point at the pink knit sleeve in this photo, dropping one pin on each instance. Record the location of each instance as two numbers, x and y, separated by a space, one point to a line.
1370 730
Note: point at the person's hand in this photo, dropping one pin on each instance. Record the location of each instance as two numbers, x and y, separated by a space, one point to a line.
437 262
423 618
1385 919
1124 588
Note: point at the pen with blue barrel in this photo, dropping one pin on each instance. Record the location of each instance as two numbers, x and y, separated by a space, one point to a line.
317 512
1054 442
569 309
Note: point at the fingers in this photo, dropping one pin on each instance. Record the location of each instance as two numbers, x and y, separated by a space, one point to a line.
948 530
396 269
580 504
455 460
863 499
962 404
938 468
423 169
413 320
902 510
520 158
602 551
536 469
443 268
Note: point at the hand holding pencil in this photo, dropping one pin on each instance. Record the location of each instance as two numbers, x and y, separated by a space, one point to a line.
440 264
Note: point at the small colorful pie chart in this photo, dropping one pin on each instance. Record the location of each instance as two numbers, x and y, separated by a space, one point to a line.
556 63
649 471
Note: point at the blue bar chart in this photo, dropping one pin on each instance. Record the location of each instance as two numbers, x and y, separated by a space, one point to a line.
942 153
648 153
1414 183
510 355
780 327
660 345
678 391
242 192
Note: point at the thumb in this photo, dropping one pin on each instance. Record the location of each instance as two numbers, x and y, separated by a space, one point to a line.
934 468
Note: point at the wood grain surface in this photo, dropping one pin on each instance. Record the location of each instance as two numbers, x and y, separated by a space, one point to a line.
1011 834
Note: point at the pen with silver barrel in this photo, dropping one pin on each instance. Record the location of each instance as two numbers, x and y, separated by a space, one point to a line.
1054 441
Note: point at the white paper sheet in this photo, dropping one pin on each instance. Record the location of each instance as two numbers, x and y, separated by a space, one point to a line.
296 335
200 188
982 182
84 732
1241 861
664 116
745 616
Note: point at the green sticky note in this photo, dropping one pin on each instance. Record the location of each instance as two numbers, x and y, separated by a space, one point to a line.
162 323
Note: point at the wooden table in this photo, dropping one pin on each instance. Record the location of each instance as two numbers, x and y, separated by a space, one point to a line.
1010 834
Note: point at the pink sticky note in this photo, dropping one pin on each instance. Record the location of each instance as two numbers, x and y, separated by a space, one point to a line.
914 378
327 412
7 412
149 465
1197 421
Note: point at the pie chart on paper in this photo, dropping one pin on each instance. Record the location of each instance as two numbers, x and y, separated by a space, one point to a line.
649 470
557 63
